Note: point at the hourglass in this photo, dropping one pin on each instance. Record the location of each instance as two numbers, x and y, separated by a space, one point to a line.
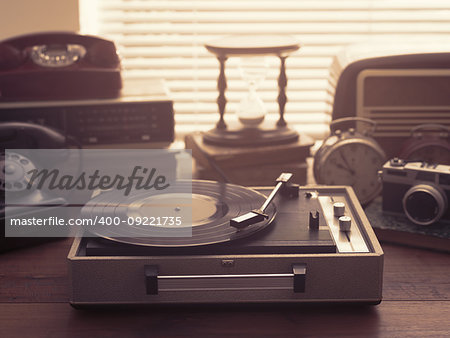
251 131
251 110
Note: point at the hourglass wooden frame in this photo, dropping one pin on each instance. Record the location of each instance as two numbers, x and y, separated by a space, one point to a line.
237 46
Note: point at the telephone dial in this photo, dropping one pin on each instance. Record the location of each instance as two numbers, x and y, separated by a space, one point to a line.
14 168
58 65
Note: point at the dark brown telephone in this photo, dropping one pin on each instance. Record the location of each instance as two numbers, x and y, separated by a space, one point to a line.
58 65
22 136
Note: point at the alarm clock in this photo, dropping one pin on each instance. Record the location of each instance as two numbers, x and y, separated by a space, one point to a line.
349 157
429 143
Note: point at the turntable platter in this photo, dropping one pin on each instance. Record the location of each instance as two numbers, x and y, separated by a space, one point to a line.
209 206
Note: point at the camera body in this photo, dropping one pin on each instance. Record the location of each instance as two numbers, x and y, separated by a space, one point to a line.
419 190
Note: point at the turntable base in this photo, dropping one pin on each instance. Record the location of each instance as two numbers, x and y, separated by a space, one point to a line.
293 259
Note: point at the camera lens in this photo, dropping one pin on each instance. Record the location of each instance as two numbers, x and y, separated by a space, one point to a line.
424 204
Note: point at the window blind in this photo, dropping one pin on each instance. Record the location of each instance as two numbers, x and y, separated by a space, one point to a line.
165 39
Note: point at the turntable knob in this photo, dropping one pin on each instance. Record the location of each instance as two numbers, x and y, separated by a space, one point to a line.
314 220
339 209
345 223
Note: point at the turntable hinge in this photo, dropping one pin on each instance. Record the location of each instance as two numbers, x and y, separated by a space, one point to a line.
151 279
299 271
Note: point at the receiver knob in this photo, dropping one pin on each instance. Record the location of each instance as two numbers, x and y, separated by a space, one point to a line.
345 223
338 209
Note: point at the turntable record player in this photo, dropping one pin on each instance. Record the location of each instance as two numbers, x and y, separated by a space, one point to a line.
304 244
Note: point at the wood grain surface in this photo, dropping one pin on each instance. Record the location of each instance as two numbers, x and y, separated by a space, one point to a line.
34 303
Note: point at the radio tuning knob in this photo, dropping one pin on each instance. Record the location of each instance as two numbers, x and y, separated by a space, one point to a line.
338 209
345 223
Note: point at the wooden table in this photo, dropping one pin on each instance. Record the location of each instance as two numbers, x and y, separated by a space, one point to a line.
34 303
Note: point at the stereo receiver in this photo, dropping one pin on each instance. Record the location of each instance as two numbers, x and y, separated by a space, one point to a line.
143 113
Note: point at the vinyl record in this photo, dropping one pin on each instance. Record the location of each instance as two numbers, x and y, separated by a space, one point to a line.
206 207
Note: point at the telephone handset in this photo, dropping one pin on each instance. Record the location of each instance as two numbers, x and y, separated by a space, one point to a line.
22 135
58 65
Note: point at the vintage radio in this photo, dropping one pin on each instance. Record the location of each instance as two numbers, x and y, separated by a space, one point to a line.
399 87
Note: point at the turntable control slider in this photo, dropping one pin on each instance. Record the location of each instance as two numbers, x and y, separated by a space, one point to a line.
258 215
314 221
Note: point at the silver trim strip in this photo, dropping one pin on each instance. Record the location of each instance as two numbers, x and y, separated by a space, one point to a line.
229 276
235 282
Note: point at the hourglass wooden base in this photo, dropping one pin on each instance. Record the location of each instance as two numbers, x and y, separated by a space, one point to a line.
237 135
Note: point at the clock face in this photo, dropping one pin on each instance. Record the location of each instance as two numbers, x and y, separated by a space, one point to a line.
356 164
431 154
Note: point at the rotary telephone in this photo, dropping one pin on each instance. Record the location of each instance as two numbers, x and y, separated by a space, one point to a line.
58 65
14 167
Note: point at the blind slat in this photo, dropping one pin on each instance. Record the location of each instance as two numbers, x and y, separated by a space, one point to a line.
269 5
306 109
312 39
189 49
276 16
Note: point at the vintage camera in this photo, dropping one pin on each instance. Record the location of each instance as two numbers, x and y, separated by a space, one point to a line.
419 190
